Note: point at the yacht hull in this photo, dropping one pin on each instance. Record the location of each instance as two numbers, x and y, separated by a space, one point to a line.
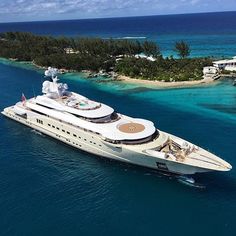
92 143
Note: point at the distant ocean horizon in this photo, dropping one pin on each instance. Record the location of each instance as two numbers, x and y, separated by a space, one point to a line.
208 34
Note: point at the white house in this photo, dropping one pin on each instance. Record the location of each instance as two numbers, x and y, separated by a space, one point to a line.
142 55
210 70
70 51
228 64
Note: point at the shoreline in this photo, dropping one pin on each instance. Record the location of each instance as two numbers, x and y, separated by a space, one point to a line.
127 79
160 84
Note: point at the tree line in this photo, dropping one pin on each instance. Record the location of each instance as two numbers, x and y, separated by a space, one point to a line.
95 54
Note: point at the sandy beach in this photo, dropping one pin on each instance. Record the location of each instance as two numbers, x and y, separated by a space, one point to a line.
146 83
161 84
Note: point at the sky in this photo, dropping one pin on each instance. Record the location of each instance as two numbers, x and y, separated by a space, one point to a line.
34 10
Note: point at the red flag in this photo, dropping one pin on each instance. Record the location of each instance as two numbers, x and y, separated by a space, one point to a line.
23 99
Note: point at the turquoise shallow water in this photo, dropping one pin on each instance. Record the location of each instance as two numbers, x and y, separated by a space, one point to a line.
48 188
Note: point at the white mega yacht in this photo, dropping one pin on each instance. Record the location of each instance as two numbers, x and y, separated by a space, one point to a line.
96 128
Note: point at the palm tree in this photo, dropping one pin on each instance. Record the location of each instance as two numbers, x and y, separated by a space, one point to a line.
182 49
151 48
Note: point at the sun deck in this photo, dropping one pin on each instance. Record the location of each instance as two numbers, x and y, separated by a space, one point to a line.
78 102
168 148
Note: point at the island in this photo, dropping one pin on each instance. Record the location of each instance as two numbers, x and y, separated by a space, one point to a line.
122 59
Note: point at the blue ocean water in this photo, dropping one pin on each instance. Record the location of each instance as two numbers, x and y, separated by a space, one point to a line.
209 34
48 188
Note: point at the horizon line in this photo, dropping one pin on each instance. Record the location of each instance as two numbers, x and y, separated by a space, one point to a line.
118 17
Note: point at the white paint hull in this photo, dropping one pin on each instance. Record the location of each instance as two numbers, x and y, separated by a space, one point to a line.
93 143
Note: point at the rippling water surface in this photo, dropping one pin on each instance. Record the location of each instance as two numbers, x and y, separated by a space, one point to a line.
48 188
208 34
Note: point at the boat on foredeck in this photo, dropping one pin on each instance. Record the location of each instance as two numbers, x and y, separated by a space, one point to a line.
96 128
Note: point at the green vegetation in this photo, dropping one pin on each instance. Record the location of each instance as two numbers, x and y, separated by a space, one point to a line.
100 54
86 54
182 49
168 69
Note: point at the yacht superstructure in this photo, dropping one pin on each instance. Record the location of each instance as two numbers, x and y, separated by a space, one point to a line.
96 128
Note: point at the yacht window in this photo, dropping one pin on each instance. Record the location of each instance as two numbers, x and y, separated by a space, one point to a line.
137 141
106 119
39 121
